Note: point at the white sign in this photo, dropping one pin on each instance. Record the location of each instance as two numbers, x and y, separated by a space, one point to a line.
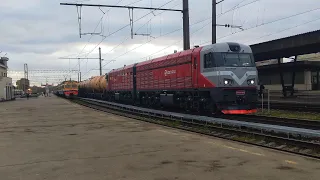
168 72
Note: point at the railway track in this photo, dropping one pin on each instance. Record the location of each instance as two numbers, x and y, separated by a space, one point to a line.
289 122
298 123
304 107
293 143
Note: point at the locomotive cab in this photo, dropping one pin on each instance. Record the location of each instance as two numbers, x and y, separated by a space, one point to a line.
231 69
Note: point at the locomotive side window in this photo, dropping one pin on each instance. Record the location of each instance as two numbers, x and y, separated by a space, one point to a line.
205 64
209 60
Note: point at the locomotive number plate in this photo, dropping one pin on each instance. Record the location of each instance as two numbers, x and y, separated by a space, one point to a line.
240 92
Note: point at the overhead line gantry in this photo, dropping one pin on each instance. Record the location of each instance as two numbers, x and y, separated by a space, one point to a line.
184 11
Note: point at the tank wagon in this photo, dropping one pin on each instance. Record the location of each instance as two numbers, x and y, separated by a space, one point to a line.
95 87
216 78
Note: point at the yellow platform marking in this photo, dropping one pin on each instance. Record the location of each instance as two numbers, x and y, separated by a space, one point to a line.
226 146
290 162
237 149
167 132
221 145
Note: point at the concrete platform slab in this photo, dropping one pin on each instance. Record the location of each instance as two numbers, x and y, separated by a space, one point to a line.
51 138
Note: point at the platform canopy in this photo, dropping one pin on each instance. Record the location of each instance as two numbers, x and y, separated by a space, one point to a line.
286 47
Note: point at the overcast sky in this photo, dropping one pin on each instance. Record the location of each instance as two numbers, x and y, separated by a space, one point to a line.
38 32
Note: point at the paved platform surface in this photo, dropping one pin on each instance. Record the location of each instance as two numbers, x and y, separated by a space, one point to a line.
50 138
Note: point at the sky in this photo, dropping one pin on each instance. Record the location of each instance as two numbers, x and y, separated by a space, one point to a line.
41 32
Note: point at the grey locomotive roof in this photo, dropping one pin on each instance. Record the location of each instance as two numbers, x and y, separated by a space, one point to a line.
224 47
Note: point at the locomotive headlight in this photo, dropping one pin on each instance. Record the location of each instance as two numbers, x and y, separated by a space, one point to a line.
227 81
251 82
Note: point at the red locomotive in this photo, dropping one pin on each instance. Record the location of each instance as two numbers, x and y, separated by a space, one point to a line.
216 78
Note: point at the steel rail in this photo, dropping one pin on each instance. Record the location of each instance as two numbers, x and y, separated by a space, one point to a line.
298 123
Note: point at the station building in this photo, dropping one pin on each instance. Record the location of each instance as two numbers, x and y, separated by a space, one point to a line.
6 87
304 72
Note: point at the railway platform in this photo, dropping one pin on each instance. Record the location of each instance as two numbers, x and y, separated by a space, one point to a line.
304 97
52 138
309 102
288 101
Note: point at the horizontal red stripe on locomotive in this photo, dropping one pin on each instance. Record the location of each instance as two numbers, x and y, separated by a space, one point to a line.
162 80
165 84
166 87
239 111
71 92
239 88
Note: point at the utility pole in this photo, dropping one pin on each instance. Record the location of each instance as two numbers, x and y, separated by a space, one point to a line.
79 73
100 60
184 11
214 22
79 70
186 29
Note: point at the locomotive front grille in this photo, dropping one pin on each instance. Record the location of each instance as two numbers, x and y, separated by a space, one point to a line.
240 100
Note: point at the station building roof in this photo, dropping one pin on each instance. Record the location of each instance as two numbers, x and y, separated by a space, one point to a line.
289 66
300 44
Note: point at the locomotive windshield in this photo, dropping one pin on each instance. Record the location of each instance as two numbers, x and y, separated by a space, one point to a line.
242 60
228 60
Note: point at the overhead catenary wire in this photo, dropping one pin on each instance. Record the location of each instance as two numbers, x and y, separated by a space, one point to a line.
247 28
234 7
266 23
113 59
238 7
110 34
289 28
241 31
123 27
137 30
126 27
174 43
96 28
87 53
100 21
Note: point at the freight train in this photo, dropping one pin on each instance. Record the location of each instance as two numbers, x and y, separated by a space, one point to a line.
217 78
